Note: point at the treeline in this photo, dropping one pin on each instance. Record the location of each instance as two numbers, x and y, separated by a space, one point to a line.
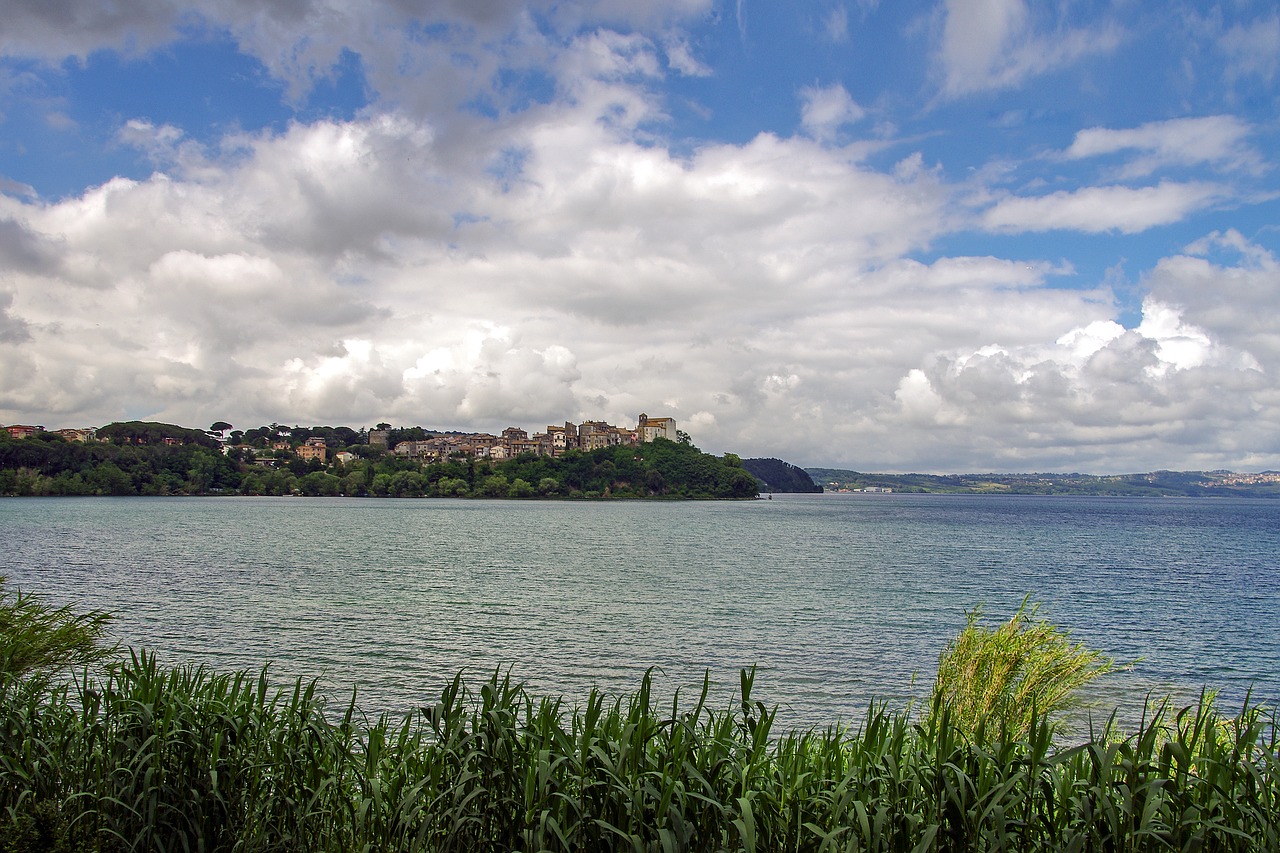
774 475
47 465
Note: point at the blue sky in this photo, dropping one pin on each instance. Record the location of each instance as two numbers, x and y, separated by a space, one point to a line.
940 236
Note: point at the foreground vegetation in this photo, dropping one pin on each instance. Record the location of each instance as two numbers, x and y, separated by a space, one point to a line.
146 757
48 465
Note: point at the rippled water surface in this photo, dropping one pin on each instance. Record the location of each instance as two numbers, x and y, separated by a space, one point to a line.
838 599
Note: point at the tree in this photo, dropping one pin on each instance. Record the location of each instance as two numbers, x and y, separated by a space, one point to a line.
219 426
354 484
108 479
318 483
449 487
495 486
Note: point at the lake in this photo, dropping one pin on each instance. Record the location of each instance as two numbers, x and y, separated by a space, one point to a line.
837 599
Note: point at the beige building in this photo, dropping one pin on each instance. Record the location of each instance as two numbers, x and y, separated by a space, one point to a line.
647 428
313 448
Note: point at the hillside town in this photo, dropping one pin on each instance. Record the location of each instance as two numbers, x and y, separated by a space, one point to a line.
555 441
593 459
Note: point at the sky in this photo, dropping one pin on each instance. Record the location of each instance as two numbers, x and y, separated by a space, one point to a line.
952 236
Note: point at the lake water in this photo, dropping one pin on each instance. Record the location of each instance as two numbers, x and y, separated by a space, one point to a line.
837 599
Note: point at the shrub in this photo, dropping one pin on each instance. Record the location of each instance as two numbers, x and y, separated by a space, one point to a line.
998 681
38 637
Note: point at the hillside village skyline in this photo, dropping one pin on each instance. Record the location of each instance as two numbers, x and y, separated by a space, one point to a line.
416 442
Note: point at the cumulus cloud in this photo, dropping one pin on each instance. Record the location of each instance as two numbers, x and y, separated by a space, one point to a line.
23 250
1113 398
997 44
243 282
564 260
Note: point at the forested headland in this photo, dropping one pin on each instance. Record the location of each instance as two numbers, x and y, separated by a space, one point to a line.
163 459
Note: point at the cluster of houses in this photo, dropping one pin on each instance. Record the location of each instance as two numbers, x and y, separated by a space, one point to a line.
21 431
589 435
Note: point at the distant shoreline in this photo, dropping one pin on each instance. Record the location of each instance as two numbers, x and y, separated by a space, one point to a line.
1195 484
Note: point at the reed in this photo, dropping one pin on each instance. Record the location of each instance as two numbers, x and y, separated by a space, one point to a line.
154 758
38 637
144 757
998 682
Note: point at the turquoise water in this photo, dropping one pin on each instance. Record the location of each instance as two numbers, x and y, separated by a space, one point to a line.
838 599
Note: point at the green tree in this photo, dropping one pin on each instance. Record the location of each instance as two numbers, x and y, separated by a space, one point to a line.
202 474
450 487
408 484
354 484
320 484
380 486
495 486
108 479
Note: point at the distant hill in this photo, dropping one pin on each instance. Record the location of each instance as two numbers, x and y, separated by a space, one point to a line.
1154 484
778 476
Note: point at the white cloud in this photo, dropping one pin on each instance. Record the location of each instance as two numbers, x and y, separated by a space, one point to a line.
995 44
1213 140
1253 49
680 56
835 25
824 110
779 296
763 294
1193 374
1096 210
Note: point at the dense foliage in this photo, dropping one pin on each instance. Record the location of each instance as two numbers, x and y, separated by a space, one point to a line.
137 756
152 433
152 758
48 465
774 475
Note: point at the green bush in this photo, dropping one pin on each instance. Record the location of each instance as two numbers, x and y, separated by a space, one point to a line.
999 682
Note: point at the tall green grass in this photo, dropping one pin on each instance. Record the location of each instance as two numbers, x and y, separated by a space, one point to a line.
153 758
143 757
36 637
998 681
